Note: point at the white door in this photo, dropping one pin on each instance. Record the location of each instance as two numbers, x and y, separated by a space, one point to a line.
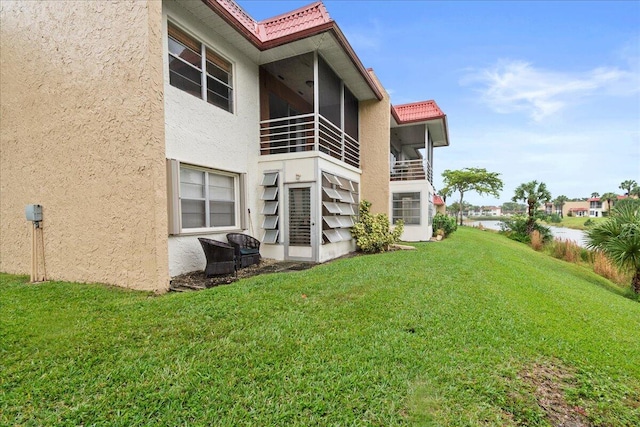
300 224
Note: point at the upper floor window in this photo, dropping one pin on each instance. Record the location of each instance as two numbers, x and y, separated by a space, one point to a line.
198 70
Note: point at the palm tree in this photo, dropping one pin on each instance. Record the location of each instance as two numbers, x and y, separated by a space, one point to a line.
627 186
618 238
532 194
609 197
559 203
595 194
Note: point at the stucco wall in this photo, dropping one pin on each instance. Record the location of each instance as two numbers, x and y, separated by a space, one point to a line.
83 134
574 205
375 134
203 134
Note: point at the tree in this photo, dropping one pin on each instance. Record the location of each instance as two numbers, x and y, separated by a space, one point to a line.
609 197
635 191
454 208
559 202
512 208
595 195
627 186
618 238
471 179
533 194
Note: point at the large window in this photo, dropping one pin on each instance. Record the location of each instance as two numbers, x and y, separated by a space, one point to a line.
188 58
208 199
406 207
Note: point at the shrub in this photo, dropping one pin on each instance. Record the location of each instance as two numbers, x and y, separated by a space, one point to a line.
569 213
445 223
554 218
373 232
589 222
515 228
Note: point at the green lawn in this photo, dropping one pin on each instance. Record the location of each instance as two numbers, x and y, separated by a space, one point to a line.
453 334
576 222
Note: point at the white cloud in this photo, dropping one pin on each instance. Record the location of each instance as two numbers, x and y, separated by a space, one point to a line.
575 162
517 86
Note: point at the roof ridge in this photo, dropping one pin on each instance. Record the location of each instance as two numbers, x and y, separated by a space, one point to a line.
315 5
411 104
285 23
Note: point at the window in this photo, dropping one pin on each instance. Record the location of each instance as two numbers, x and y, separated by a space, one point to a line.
406 207
207 198
204 200
187 60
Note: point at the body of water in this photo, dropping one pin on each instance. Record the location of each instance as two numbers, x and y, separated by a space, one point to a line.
561 233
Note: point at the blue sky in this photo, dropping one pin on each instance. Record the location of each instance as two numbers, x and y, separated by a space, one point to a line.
546 91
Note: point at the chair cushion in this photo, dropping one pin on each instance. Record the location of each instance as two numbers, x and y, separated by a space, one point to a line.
249 251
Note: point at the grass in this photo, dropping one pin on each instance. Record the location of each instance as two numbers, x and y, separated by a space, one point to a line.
444 335
576 223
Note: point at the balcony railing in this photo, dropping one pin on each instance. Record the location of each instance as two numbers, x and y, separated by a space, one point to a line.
410 170
308 132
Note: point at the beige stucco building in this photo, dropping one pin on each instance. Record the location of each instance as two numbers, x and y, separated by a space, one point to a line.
140 126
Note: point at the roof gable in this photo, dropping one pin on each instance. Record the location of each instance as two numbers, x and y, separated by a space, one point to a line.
289 27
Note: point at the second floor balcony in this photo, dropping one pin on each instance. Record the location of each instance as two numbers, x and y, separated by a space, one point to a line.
411 170
305 107
308 133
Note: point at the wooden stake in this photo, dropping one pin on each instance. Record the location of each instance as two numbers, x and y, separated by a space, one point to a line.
33 252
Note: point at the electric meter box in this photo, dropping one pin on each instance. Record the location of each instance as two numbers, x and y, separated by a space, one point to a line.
33 212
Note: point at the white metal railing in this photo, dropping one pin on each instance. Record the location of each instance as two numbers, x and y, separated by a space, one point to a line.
305 133
409 170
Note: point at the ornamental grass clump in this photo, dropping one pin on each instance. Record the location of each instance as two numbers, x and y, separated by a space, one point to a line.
373 232
536 241
618 238
569 251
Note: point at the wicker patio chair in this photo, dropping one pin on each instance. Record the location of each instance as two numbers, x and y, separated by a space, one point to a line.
221 258
247 249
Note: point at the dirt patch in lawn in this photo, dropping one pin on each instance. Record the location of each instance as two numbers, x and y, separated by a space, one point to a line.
196 280
548 381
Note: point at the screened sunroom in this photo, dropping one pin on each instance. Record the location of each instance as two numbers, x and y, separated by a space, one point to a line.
310 159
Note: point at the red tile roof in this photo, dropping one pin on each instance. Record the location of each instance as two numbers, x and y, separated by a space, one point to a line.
292 22
301 19
597 199
240 15
437 200
578 209
417 112
304 22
